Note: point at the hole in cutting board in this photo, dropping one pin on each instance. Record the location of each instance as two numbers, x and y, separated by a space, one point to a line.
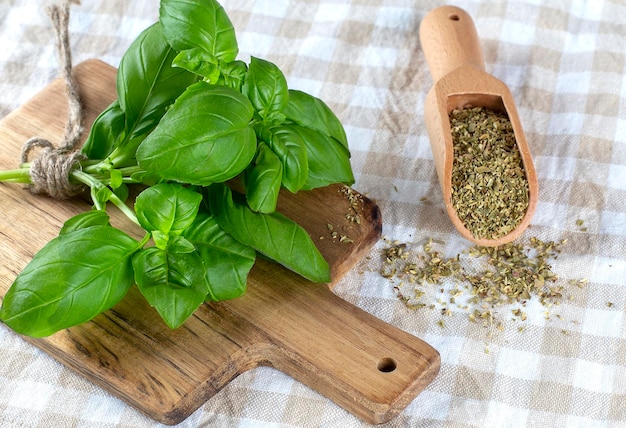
386 365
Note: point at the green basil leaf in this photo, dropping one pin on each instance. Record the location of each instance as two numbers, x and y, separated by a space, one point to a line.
145 177
122 192
275 118
232 74
106 131
70 280
193 60
180 245
167 207
100 195
84 220
203 24
291 150
173 283
205 137
328 159
226 261
263 180
116 178
147 83
161 239
311 112
273 235
266 87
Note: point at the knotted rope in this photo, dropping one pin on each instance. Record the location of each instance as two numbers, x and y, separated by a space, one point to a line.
51 167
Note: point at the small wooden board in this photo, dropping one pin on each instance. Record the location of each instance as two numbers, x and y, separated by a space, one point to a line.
370 368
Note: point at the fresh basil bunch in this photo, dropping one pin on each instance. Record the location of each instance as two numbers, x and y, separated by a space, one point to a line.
189 117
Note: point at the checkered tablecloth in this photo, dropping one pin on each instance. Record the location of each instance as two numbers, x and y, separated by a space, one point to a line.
565 63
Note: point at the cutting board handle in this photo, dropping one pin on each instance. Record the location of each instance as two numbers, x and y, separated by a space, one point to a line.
365 365
449 41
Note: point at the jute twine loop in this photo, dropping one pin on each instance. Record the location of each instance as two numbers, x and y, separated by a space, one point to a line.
51 168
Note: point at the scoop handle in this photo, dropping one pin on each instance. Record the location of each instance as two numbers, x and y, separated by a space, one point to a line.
449 40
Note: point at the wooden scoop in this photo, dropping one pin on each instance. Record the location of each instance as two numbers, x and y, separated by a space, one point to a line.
450 43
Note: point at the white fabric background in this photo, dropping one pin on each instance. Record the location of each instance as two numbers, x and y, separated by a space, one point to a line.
565 63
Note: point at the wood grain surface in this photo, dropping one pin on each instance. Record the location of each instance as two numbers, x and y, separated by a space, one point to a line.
365 365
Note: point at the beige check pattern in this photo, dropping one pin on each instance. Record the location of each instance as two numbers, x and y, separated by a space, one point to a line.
565 63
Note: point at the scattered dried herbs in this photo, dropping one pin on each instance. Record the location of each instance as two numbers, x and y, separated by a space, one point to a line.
479 279
489 186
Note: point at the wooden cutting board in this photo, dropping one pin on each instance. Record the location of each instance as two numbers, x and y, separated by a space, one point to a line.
368 367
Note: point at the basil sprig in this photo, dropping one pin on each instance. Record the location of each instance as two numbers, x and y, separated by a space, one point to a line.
188 117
